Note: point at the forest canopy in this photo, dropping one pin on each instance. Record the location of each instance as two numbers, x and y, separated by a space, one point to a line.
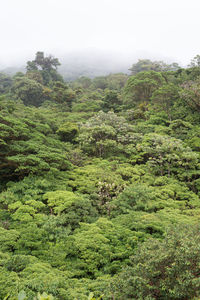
100 183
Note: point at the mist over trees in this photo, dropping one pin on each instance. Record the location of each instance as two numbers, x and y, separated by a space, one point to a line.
75 64
100 183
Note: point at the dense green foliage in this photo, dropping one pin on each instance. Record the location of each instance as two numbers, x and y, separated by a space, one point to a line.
100 183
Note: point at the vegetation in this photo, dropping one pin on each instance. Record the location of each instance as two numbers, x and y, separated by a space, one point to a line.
100 183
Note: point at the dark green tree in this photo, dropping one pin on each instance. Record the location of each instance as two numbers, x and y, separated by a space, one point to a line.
148 65
139 88
28 90
5 83
62 93
167 269
164 98
111 101
47 66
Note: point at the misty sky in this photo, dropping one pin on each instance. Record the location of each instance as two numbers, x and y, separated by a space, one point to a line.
130 28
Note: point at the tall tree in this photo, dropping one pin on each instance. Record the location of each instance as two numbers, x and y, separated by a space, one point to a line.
47 66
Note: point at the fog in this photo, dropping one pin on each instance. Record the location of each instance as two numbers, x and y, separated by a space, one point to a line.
107 33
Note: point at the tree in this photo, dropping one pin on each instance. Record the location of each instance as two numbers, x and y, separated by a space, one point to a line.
191 94
5 83
61 93
163 193
100 82
116 81
68 131
139 88
98 247
164 98
148 65
28 90
35 75
41 62
104 134
195 62
111 101
167 155
167 269
47 66
84 82
27 145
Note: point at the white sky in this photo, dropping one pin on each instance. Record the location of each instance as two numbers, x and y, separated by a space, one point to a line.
141 28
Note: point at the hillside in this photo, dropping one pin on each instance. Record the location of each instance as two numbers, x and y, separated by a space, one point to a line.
100 183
